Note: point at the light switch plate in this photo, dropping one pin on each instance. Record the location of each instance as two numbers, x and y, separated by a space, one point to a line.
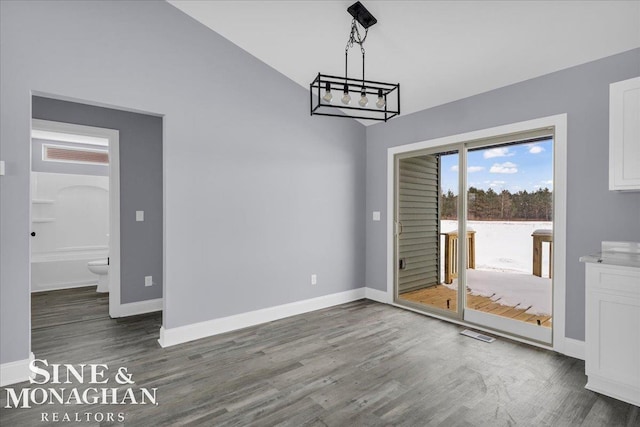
376 215
148 280
139 215
1 167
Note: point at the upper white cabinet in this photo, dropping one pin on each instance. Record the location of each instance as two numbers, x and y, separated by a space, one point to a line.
624 135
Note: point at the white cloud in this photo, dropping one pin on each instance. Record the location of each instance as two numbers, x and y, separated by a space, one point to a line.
470 169
546 184
498 152
496 183
506 167
536 149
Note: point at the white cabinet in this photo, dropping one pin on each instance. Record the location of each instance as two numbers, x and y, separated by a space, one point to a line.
612 353
624 135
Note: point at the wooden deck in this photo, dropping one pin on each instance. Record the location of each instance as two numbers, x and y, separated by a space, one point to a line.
437 296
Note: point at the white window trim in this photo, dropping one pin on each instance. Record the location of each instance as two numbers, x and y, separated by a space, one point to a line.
559 123
70 137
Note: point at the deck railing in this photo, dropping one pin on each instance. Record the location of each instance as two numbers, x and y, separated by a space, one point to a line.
451 254
540 236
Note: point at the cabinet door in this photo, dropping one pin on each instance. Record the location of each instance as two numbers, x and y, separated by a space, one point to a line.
624 135
613 331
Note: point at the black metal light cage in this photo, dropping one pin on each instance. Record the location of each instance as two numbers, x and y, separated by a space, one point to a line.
319 107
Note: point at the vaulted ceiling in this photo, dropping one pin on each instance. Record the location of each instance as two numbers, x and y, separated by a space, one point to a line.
439 51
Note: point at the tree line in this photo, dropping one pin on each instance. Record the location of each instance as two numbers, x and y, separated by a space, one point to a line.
491 206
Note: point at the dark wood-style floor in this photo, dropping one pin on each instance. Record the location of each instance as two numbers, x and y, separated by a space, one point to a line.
358 364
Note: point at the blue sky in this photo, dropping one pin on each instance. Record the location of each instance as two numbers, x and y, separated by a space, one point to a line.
516 167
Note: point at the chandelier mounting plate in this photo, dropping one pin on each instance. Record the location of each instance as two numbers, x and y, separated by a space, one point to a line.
361 14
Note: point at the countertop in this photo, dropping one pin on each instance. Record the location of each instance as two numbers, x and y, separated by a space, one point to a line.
613 258
625 254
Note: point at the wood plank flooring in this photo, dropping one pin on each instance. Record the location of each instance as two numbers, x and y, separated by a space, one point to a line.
437 296
357 364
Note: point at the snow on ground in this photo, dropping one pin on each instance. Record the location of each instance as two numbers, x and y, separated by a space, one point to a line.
525 291
504 264
505 246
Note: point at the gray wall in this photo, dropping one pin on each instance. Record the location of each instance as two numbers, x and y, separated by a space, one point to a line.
258 195
140 143
39 165
593 212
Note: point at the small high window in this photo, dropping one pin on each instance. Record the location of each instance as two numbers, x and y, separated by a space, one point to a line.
57 153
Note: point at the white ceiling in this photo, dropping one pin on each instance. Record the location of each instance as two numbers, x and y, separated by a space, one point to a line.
439 51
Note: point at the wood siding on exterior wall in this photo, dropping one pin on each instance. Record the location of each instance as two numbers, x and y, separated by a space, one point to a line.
419 222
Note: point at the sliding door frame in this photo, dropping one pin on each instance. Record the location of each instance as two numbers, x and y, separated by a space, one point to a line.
558 127
396 234
478 317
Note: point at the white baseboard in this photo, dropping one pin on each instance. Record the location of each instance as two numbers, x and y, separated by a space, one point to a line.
135 308
58 286
15 372
574 348
376 295
182 334
625 392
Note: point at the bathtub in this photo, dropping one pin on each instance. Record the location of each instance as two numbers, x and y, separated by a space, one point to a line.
64 269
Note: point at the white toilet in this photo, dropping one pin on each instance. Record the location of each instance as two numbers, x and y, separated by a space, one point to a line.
101 268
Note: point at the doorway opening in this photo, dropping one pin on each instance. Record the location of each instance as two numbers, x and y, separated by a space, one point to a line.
75 209
495 188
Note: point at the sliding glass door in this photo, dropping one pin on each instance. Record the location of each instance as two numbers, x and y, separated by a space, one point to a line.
474 232
509 221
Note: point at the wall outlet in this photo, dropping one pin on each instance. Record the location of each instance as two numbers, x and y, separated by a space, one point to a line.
314 279
148 280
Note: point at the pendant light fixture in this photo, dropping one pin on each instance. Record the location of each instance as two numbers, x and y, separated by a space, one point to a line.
387 95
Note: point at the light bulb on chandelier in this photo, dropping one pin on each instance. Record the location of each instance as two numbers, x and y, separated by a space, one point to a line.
346 98
363 99
381 102
327 94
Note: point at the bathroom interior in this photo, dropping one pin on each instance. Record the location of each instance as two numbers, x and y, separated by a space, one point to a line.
69 212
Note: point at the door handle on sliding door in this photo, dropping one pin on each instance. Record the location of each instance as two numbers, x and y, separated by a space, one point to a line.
398 228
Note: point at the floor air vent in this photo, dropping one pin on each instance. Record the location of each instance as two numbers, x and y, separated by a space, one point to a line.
477 336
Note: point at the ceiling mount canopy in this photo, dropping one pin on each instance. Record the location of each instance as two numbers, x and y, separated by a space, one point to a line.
362 15
387 95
